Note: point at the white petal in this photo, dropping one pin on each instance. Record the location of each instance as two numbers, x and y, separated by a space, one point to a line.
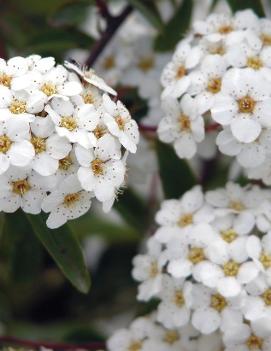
245 130
21 153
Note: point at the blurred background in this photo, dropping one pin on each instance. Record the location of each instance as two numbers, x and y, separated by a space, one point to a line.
36 301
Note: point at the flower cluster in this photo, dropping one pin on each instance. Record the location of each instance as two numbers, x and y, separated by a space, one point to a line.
209 265
62 139
219 79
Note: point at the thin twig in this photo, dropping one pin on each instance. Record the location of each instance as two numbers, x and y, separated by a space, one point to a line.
113 24
104 10
11 340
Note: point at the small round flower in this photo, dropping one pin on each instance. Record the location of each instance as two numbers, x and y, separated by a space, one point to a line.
23 188
148 271
175 77
69 201
183 126
119 122
101 170
174 308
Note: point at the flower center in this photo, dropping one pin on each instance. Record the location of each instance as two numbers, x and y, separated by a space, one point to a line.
265 259
225 29
70 199
181 71
88 98
48 89
214 85
5 143
146 63
228 235
237 206
218 302
68 122
185 220
97 167
246 104
267 297
109 62
254 342
99 131
217 50
39 144
65 163
231 268
120 122
16 107
20 187
5 80
135 346
171 337
153 272
179 298
254 62
184 123
196 255
266 39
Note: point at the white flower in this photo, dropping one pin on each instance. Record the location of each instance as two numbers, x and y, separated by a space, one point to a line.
119 122
260 251
183 126
174 308
238 200
243 104
247 337
69 201
21 188
15 146
101 169
175 77
211 309
90 77
76 124
147 269
130 339
177 216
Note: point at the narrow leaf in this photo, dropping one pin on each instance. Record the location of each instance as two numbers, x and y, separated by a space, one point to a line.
65 250
255 5
175 28
176 175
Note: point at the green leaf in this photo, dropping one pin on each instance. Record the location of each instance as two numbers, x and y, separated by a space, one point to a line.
52 41
255 5
175 28
65 250
149 10
71 14
132 209
110 231
175 174
26 251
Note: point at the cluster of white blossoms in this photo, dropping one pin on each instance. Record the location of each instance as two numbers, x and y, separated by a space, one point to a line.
209 266
63 139
219 78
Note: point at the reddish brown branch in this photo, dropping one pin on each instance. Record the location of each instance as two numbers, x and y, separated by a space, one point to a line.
145 128
113 24
3 53
103 9
10 340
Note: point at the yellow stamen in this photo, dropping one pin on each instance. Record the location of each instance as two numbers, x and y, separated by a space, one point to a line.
254 63
214 85
171 337
5 143
39 144
229 235
184 123
196 255
218 302
68 122
146 63
16 107
20 187
97 167
246 104
70 199
5 80
231 268
48 89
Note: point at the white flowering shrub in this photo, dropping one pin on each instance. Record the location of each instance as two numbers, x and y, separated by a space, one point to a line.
209 265
219 80
64 140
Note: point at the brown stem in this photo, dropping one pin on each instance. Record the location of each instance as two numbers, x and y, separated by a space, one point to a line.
103 9
11 340
113 24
